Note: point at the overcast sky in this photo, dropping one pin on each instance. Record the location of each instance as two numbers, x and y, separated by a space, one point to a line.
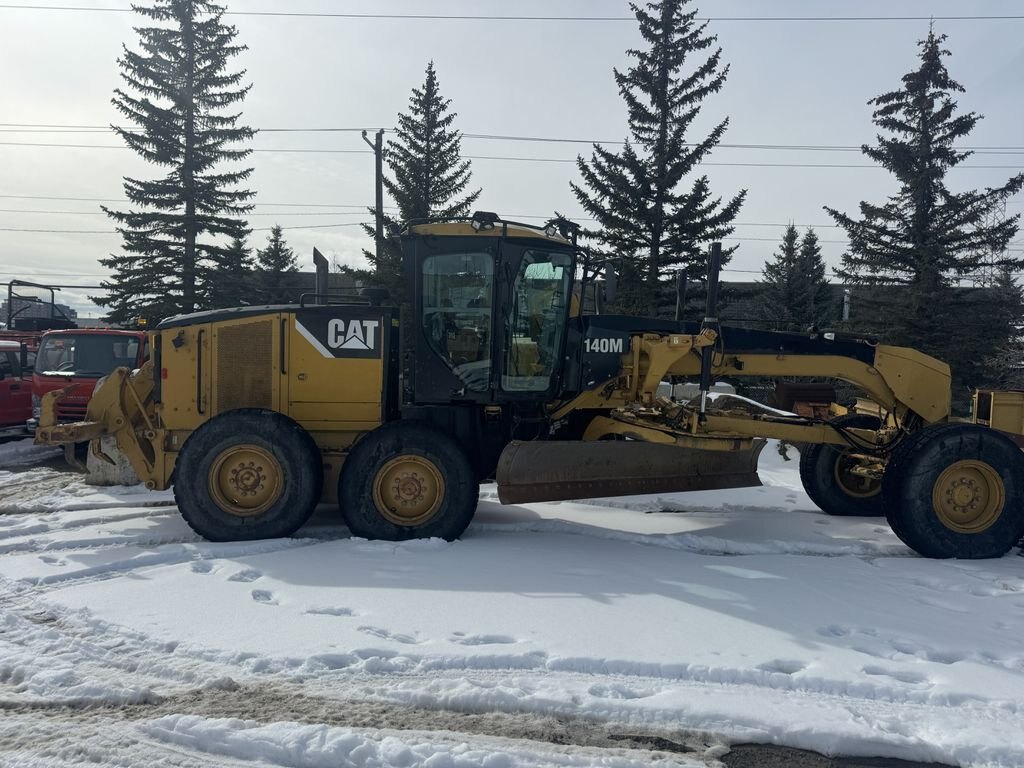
791 83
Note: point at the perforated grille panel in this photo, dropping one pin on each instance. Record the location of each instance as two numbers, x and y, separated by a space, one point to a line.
244 366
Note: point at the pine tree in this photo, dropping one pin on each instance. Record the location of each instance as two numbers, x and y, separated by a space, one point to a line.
232 284
779 297
646 210
926 236
796 294
429 175
1002 317
178 94
277 274
817 301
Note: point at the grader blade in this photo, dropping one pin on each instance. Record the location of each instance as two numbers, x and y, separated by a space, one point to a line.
558 471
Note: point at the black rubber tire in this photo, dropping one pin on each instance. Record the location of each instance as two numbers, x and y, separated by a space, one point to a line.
374 450
292 447
917 463
817 473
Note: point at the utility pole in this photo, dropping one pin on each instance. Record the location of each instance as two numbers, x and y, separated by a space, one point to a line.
377 145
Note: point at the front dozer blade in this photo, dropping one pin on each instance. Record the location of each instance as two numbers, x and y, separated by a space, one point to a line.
558 471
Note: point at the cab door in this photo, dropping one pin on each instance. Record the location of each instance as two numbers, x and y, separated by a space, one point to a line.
15 392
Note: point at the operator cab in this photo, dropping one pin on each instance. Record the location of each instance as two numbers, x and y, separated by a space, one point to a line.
490 302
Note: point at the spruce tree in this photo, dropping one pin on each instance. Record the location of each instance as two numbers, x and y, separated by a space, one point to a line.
181 98
647 208
779 297
428 175
926 236
818 307
796 294
277 274
1003 318
231 285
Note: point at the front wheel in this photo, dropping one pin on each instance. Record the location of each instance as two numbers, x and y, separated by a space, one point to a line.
407 481
956 490
825 474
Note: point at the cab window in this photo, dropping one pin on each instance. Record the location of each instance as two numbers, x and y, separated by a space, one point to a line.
457 294
536 325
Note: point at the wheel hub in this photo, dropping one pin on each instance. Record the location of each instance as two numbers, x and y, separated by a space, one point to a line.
858 486
408 490
245 480
969 496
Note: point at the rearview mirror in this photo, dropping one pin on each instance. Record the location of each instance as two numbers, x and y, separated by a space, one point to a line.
611 283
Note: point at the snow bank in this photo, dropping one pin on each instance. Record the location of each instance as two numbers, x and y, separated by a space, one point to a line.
320 746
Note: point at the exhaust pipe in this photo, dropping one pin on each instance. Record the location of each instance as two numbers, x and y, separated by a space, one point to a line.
321 277
530 472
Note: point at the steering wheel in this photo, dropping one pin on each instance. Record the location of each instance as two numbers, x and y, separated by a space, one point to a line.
67 365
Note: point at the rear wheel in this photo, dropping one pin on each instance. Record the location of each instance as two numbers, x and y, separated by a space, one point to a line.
956 490
825 474
407 481
248 474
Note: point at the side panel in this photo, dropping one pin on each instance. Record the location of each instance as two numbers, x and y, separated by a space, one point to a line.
185 370
336 363
245 360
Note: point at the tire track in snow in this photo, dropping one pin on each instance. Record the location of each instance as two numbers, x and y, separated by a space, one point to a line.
272 703
150 677
172 554
104 542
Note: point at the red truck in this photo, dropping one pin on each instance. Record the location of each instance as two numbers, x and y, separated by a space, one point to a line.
15 389
79 358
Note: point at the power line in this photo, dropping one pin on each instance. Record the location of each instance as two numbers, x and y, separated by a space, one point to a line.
125 200
114 232
390 207
510 158
83 287
245 216
54 128
537 216
288 205
477 17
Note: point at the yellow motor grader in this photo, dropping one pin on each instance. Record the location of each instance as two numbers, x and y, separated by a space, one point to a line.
256 414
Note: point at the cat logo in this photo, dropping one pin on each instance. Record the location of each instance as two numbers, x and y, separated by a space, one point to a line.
359 334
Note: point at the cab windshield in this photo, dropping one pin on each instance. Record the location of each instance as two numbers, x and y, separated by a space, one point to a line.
536 323
86 354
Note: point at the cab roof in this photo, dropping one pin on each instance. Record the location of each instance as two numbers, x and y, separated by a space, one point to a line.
95 332
465 229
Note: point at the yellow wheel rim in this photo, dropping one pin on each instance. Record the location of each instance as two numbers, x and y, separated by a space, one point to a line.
857 486
969 496
408 490
246 480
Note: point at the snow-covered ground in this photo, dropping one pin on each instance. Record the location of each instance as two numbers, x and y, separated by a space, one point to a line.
574 634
